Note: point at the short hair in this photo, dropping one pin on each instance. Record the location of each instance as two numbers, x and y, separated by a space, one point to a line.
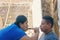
20 19
49 19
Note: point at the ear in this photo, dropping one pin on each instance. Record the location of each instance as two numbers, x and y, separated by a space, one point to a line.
20 24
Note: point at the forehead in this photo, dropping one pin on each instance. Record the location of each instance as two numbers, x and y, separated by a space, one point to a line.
43 21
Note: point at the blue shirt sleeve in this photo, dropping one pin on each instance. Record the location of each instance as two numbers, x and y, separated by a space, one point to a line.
18 33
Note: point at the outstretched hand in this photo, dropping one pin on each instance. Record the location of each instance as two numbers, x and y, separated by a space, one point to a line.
36 30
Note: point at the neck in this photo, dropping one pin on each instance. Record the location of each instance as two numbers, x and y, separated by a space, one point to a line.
48 31
17 25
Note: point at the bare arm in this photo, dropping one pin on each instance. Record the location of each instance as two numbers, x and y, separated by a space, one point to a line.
35 37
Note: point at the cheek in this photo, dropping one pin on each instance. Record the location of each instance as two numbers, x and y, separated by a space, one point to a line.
25 26
48 27
43 27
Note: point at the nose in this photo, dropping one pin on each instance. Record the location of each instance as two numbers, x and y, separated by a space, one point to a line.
41 27
27 25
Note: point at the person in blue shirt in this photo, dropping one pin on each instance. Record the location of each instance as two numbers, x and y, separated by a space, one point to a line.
16 31
46 28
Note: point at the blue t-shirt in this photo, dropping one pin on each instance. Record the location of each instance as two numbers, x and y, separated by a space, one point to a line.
49 36
11 32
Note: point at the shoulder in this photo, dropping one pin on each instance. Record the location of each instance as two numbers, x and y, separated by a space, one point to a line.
17 29
52 36
18 32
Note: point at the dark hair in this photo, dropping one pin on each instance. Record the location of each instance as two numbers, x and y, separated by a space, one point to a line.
20 19
49 19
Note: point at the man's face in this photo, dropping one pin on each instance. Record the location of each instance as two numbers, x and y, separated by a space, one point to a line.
45 26
24 26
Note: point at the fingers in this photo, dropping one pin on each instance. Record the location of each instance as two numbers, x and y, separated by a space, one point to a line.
35 29
31 28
